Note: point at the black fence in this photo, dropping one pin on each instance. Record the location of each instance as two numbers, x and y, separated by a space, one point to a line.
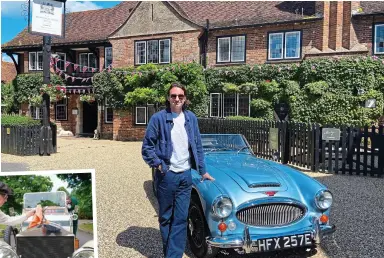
328 148
25 140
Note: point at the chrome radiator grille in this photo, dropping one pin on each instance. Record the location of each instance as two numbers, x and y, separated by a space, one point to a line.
267 215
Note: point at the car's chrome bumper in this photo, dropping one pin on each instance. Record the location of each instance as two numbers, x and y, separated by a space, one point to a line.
246 240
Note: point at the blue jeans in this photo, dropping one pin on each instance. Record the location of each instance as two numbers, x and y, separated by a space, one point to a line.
173 196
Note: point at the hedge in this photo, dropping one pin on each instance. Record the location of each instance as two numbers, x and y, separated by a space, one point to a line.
15 120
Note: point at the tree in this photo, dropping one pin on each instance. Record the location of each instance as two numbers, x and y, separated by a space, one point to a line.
21 185
81 183
62 188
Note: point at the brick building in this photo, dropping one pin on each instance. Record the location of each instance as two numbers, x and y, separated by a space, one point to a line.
212 33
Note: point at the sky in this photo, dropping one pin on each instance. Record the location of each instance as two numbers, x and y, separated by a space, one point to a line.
58 183
13 21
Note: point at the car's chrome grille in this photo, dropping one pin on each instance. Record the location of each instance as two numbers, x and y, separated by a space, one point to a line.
257 185
269 215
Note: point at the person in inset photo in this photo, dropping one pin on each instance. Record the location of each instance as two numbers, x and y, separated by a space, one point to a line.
72 205
5 191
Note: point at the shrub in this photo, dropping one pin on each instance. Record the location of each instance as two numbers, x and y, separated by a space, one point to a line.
14 120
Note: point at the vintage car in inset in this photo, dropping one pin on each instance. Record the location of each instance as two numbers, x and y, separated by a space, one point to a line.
254 205
53 237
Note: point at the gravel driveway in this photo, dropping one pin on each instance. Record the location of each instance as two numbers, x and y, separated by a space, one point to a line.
127 209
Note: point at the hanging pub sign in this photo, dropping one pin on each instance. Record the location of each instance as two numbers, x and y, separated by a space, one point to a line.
281 110
47 17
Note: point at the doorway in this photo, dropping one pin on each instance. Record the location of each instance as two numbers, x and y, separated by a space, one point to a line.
89 117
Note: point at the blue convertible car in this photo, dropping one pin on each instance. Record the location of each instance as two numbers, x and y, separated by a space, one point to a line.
254 205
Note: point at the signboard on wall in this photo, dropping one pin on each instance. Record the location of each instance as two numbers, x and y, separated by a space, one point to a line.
330 134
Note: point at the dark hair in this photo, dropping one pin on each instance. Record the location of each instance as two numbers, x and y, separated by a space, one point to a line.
4 189
178 85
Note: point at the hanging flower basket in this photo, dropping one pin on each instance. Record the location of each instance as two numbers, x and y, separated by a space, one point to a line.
88 98
56 93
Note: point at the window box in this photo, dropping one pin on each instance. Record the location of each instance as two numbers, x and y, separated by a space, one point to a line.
284 45
231 49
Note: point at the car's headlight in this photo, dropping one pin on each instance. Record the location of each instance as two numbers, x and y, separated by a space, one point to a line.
84 253
6 251
323 199
222 207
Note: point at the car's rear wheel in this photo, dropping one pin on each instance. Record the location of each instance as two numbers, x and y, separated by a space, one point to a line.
198 231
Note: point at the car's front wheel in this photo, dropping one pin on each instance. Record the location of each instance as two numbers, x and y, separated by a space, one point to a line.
198 231
10 235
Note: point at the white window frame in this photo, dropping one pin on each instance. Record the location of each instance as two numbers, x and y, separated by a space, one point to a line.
105 113
105 56
221 104
66 110
145 108
169 51
38 110
65 59
374 40
146 51
210 104
36 62
285 44
249 104
269 46
89 69
218 50
136 54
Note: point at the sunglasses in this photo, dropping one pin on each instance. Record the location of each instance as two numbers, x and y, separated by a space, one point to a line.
181 96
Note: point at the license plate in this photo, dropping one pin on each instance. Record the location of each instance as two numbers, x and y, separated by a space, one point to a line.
280 243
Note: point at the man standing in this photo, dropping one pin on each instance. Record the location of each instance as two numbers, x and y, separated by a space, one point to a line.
72 207
172 145
5 191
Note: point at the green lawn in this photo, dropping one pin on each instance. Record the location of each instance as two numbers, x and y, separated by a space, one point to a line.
88 227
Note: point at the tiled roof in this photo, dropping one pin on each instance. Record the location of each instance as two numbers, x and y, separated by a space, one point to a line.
372 7
95 25
8 71
240 13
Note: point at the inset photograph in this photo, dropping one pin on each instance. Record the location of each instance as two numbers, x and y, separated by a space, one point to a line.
47 214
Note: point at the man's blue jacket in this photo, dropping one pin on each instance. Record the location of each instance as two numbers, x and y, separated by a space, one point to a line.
157 145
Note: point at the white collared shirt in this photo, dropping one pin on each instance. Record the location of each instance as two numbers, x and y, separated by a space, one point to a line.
180 159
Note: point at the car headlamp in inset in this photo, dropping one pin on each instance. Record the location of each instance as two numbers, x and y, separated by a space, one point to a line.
323 199
222 207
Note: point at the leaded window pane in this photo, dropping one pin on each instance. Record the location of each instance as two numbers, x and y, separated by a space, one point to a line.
92 62
140 52
165 51
223 46
153 51
108 56
32 61
61 62
215 104
292 44
83 61
39 60
230 105
238 48
141 115
243 105
276 46
379 39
